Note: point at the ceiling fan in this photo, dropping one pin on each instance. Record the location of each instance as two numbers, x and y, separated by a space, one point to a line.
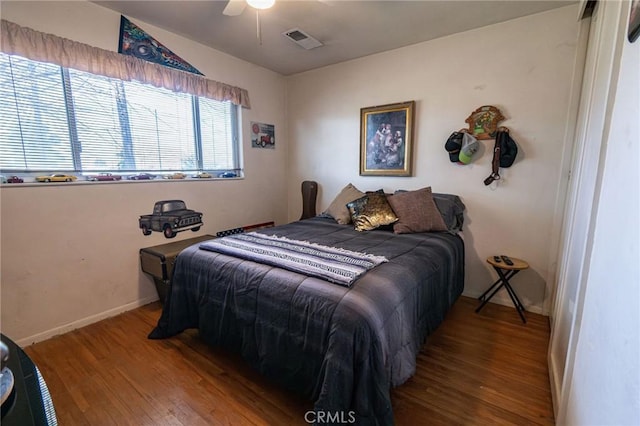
236 7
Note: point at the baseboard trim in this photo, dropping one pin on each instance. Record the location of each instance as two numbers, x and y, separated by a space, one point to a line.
555 385
84 321
503 299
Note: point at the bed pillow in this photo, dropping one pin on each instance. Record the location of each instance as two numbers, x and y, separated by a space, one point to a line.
371 211
452 210
416 211
338 207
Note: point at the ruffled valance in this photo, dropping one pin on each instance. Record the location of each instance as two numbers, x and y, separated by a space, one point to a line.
39 46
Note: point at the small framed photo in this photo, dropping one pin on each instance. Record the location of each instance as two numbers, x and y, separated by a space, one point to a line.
634 21
386 139
263 135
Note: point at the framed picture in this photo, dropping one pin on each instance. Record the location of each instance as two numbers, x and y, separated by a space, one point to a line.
263 135
634 21
386 139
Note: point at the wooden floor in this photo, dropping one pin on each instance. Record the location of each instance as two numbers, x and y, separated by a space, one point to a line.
476 369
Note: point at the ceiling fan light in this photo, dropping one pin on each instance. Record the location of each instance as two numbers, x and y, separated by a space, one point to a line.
261 4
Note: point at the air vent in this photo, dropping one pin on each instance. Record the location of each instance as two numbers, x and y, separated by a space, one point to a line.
301 38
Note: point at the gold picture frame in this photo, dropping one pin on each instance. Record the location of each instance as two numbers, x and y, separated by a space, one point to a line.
386 139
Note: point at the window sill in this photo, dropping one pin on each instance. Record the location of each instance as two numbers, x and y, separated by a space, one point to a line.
114 182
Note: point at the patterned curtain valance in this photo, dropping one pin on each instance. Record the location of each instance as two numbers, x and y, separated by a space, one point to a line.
38 46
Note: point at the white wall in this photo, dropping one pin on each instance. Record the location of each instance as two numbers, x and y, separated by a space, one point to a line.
70 252
524 67
602 386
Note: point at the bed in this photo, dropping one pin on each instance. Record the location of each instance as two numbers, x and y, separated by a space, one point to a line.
342 346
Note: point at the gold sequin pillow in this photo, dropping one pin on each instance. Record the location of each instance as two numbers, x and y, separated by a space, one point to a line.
371 211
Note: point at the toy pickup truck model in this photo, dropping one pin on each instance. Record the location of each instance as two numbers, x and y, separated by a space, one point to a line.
170 217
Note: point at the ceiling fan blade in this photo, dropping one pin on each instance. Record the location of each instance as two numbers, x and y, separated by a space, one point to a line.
234 7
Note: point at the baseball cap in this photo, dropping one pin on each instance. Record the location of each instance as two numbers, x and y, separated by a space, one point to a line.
469 147
453 145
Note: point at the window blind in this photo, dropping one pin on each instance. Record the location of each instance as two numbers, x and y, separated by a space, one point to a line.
57 119
34 133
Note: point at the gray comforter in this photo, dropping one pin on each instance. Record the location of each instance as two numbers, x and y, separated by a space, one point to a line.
342 347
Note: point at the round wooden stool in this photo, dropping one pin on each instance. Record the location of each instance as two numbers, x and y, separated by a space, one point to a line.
505 272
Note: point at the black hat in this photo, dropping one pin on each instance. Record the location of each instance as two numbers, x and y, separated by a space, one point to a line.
508 149
453 146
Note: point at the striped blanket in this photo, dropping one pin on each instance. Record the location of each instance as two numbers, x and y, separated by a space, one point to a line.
333 264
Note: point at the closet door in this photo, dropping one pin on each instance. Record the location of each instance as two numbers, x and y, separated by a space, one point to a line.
582 196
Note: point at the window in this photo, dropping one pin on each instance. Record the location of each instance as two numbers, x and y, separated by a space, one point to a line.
59 119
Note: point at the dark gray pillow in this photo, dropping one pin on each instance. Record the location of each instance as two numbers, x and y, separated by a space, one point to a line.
452 210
